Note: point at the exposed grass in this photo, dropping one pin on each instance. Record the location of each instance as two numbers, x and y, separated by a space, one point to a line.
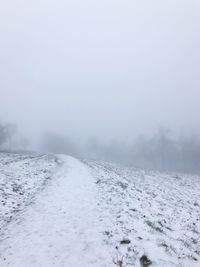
125 241
145 261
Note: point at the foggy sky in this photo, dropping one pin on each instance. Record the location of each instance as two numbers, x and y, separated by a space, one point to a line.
111 69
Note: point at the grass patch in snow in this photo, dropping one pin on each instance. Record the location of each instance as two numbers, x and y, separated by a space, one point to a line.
145 261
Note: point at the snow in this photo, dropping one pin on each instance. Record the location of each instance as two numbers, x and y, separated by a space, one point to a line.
22 176
88 213
158 213
62 228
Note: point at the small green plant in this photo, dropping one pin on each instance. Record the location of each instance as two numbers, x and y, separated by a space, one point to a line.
145 261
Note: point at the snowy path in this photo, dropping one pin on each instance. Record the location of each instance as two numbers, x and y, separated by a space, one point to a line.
62 228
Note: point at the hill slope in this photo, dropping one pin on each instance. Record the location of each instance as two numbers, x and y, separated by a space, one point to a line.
58 211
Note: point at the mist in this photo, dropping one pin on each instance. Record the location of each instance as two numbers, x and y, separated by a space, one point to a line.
98 74
99 133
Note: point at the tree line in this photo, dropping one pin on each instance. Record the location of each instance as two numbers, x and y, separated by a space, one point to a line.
160 151
11 139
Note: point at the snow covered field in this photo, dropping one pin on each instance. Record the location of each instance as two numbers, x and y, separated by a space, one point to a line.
151 214
59 211
21 177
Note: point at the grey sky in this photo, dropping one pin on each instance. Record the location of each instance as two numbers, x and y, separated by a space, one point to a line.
106 68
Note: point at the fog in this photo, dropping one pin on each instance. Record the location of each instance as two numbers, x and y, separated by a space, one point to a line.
111 70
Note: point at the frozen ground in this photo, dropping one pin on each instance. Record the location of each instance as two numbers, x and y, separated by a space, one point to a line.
21 177
58 211
151 214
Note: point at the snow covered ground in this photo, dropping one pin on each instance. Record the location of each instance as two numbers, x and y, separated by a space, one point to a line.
150 214
59 211
22 176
